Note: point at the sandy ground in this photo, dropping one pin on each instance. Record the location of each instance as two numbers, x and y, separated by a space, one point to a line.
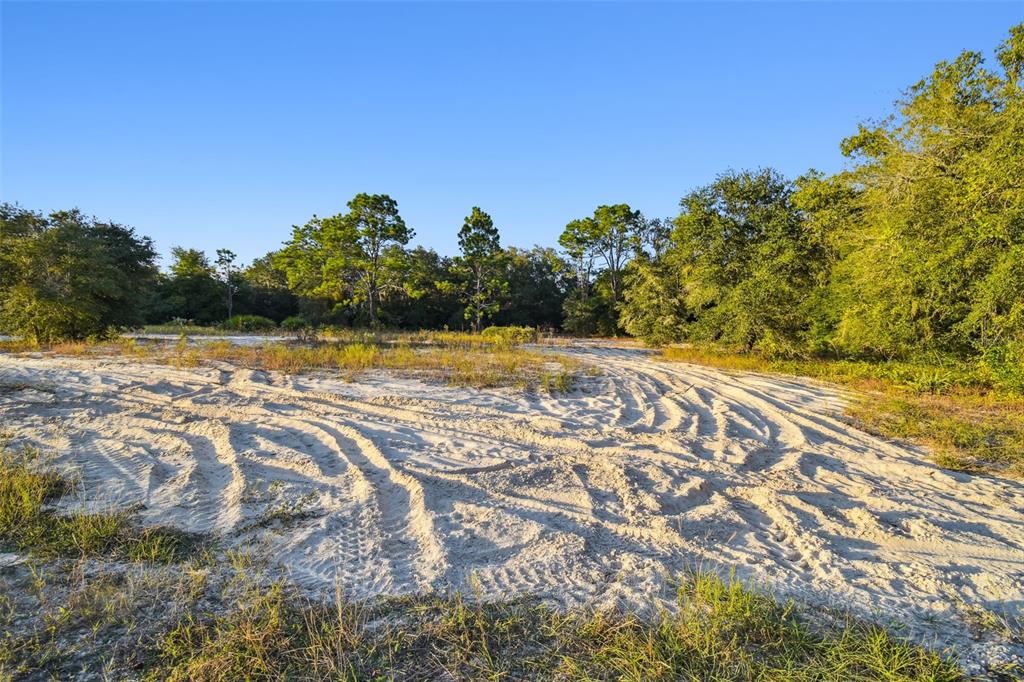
391 485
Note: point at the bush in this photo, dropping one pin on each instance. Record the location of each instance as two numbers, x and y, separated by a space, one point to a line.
295 323
1006 365
248 323
510 336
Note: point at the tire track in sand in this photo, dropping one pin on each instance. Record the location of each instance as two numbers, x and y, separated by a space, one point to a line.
585 497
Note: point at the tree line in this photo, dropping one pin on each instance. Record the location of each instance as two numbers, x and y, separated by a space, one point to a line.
916 246
65 275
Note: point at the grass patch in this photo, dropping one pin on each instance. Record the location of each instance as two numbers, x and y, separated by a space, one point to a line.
70 619
477 365
120 345
28 523
969 419
479 360
974 433
720 631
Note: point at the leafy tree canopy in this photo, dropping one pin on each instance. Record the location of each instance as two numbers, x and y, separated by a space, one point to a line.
350 259
67 276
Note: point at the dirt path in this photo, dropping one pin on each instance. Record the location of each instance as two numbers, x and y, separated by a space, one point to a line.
392 485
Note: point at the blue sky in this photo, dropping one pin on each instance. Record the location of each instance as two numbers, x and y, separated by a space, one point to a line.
222 124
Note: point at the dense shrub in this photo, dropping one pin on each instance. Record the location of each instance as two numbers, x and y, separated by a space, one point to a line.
510 335
248 323
295 323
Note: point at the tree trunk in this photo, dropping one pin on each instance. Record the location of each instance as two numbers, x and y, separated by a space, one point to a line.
479 302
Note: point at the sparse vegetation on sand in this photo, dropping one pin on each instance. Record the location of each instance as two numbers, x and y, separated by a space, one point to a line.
98 596
187 329
28 523
972 419
473 364
480 360
721 631
217 617
199 621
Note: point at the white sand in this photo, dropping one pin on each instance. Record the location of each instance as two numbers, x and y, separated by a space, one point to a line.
587 498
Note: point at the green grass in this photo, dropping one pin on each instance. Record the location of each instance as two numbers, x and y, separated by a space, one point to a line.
720 631
975 433
231 623
28 523
967 416
937 375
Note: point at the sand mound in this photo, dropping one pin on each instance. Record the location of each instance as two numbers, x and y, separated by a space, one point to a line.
393 486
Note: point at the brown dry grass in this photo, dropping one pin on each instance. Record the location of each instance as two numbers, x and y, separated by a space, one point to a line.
456 358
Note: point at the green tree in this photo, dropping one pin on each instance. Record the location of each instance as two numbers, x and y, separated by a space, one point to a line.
654 308
615 238
829 206
67 276
611 237
746 262
481 259
932 258
537 284
593 314
190 263
192 292
263 290
653 235
429 298
580 312
578 240
350 259
378 255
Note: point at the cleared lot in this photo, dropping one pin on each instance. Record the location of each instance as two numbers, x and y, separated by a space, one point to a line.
390 485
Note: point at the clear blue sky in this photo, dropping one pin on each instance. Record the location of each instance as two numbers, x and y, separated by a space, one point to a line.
222 124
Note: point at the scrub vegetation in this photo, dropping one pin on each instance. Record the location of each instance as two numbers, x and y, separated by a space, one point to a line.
475 364
493 358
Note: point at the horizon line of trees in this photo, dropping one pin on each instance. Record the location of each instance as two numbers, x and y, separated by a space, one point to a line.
916 247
